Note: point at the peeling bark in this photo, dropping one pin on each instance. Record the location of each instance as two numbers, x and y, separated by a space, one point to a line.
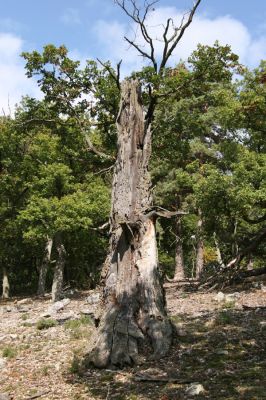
44 267
59 269
132 301
6 287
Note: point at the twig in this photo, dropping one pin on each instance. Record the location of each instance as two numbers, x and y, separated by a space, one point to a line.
104 170
108 391
116 76
102 227
150 378
36 396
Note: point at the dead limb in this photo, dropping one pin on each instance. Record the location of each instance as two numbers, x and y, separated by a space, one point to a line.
252 272
231 271
142 377
101 227
36 396
115 76
171 39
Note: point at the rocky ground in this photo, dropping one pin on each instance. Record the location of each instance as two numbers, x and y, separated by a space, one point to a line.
218 351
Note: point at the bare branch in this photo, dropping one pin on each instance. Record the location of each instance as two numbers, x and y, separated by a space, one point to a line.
175 39
143 53
165 37
102 227
92 148
39 120
162 212
134 13
255 221
116 76
104 170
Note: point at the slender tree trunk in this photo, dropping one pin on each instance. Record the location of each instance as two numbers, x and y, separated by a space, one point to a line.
218 251
44 267
179 258
6 287
250 264
200 247
133 301
235 248
59 268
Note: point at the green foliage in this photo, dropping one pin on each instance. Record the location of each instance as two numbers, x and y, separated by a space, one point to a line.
46 323
9 352
208 158
224 318
205 157
77 323
75 366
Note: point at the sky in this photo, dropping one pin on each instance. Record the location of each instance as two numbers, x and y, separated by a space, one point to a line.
95 28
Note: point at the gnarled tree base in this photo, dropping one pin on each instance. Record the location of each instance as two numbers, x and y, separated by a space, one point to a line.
135 309
120 335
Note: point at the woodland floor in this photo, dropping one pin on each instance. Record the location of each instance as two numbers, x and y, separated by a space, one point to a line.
220 345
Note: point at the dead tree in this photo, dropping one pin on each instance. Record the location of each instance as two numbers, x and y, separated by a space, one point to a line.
133 306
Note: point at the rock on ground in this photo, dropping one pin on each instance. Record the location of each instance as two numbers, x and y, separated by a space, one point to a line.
194 389
4 396
54 308
2 363
93 298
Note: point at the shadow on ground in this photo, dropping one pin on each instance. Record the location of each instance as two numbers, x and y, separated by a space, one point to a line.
223 350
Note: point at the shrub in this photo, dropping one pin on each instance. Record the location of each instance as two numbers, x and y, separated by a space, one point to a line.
9 352
44 323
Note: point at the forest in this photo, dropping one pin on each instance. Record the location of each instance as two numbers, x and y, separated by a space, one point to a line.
103 173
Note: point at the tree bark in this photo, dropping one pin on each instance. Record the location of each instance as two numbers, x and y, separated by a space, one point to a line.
218 251
200 247
251 272
133 301
44 267
59 268
179 257
6 287
250 263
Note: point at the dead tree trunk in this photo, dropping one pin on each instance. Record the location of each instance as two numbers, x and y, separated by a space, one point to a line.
133 301
6 287
44 267
200 247
59 268
179 257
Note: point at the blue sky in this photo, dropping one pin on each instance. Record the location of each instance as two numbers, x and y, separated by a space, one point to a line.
95 28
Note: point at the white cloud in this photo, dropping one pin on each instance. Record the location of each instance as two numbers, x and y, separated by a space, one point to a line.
71 17
13 81
113 46
225 29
